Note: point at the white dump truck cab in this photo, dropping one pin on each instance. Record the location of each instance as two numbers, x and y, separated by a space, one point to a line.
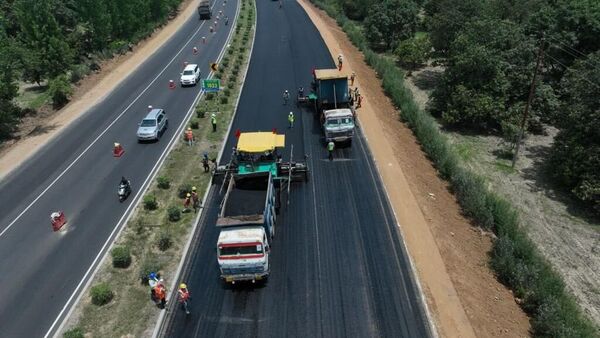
338 125
243 254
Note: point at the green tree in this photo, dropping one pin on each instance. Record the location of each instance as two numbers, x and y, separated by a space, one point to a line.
487 78
356 9
390 21
9 112
59 89
414 51
575 156
46 52
445 18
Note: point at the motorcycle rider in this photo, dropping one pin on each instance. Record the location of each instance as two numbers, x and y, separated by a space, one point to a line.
124 182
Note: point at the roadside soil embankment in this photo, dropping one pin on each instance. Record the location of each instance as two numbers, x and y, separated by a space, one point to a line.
450 255
88 92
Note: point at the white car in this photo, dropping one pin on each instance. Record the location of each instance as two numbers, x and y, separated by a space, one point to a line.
190 75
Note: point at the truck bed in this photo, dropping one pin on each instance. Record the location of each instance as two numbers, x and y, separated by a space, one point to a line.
247 197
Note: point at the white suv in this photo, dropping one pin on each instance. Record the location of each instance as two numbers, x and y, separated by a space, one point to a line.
190 75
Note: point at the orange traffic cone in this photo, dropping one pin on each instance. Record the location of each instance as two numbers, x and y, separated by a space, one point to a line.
118 150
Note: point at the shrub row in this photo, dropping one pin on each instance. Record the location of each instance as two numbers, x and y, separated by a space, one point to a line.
514 257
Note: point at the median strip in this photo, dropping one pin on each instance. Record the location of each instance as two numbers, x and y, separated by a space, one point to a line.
118 303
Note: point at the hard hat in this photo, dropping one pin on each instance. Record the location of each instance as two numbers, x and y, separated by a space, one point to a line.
152 275
213 115
188 195
189 128
117 144
291 113
182 286
286 90
193 188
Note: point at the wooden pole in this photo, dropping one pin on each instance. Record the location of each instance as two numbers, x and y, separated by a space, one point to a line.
538 65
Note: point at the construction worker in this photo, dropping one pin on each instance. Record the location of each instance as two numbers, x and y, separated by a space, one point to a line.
291 119
160 291
352 76
152 281
330 147
213 121
195 200
189 136
340 61
183 294
286 97
187 202
205 162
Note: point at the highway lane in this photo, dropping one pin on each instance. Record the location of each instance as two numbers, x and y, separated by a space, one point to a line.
338 266
77 173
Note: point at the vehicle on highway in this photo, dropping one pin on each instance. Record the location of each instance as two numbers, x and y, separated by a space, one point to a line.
334 106
153 125
124 189
190 75
204 10
255 178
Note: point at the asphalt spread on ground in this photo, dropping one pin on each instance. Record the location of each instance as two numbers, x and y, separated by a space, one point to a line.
338 266
41 269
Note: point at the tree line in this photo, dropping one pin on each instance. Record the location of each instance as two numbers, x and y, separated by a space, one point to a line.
60 41
489 50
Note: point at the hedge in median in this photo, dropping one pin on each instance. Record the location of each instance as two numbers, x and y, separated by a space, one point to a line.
101 294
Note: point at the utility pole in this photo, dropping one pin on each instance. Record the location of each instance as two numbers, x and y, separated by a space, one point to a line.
538 66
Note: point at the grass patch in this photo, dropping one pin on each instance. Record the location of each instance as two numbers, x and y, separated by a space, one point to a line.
33 97
504 167
514 257
155 237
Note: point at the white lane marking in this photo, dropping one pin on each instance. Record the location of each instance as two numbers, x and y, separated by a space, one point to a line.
136 199
101 134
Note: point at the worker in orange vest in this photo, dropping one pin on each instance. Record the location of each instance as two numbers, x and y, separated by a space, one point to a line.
183 294
189 136
187 202
160 291
195 200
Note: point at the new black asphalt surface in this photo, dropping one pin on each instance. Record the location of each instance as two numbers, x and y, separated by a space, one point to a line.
338 266
76 172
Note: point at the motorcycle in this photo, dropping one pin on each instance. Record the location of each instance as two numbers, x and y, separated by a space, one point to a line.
124 191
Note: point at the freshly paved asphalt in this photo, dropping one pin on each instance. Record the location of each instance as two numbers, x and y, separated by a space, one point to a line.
39 269
338 268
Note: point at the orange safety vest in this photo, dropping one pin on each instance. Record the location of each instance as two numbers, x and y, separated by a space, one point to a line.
184 295
159 290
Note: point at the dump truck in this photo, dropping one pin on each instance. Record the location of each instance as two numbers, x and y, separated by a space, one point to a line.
204 10
255 178
333 104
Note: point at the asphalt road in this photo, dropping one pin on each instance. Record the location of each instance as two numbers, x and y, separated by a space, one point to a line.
40 270
338 268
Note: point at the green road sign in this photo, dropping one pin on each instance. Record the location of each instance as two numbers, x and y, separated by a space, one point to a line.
211 85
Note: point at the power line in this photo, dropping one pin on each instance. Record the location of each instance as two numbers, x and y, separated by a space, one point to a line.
578 74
